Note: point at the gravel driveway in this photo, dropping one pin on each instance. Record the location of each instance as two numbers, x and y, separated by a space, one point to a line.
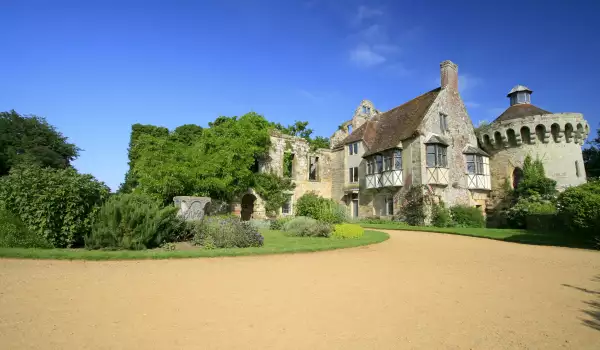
417 290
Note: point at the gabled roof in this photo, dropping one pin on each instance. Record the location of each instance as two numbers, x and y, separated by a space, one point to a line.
386 130
474 150
521 110
437 139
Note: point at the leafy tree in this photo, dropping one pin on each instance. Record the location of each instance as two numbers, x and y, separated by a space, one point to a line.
591 157
56 204
216 161
31 140
300 129
137 130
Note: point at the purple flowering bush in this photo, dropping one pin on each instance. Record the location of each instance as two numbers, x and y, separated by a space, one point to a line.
226 232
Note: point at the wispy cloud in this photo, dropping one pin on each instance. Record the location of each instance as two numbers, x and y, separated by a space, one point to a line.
367 12
373 46
472 104
363 55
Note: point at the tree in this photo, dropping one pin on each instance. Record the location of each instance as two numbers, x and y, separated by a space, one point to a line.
31 140
591 157
300 129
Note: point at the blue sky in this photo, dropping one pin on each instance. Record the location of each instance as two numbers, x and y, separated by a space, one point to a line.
93 68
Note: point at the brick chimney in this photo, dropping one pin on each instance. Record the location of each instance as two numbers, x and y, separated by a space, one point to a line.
449 75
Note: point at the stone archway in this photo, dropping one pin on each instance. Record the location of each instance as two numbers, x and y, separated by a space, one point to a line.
247 206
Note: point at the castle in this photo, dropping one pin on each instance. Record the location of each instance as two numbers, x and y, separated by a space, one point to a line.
375 157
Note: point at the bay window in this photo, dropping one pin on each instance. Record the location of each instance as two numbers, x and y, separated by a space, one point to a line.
475 164
437 156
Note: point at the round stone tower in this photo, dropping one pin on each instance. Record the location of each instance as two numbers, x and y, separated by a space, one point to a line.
524 129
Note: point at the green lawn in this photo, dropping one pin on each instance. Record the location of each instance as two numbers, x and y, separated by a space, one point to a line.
507 235
276 242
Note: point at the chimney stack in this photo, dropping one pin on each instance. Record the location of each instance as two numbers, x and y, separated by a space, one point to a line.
449 75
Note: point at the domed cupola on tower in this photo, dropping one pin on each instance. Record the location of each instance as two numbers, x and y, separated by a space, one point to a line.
520 94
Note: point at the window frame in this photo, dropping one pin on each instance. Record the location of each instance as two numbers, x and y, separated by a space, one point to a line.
353 174
440 155
443 123
476 160
397 159
289 205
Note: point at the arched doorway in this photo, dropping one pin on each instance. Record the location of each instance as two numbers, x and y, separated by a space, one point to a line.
247 206
517 177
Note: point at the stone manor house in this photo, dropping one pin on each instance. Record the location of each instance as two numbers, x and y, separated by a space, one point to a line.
430 140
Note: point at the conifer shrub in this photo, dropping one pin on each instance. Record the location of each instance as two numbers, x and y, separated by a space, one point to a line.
133 221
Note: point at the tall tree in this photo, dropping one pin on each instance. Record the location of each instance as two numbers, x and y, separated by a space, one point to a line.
31 140
591 157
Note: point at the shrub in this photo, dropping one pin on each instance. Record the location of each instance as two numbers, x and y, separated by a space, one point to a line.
348 231
465 216
133 221
14 234
277 224
527 206
534 180
579 209
226 232
440 216
56 204
260 224
322 209
374 220
413 206
302 226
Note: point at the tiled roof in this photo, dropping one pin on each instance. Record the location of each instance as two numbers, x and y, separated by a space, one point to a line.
386 130
521 110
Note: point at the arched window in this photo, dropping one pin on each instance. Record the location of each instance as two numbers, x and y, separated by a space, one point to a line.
486 141
554 130
525 135
568 132
579 136
540 132
498 139
512 137
517 177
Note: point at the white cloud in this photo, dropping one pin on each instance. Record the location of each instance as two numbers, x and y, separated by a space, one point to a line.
363 55
365 12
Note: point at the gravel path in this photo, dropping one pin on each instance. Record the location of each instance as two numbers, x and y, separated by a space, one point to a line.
415 291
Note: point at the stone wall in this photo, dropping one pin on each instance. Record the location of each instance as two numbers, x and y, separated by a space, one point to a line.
460 134
560 151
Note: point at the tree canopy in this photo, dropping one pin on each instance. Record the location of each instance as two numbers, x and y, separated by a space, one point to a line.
591 157
31 140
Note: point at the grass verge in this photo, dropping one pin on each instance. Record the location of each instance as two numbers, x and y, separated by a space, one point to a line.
507 235
276 242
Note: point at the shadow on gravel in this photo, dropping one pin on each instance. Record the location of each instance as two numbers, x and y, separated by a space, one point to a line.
592 310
